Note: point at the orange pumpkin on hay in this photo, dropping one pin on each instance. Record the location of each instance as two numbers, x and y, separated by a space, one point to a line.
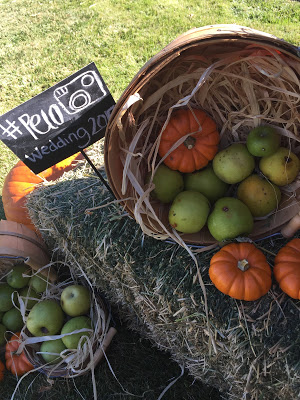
21 181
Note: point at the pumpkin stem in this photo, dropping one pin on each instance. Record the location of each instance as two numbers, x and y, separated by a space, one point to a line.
243 265
190 142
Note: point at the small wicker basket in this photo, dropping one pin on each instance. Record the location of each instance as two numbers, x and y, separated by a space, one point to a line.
193 71
85 358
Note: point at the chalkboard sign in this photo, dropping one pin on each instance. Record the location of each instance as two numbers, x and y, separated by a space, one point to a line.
59 122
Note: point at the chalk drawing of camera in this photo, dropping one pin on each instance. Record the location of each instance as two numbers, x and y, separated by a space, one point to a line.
80 93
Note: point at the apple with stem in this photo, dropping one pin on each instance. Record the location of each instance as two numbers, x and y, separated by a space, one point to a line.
75 300
281 167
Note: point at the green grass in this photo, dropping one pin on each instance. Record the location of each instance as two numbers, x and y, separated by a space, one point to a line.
42 42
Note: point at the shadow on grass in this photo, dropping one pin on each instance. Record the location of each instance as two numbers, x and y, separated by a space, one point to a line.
142 372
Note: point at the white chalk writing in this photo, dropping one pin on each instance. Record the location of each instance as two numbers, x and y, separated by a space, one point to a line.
11 129
82 137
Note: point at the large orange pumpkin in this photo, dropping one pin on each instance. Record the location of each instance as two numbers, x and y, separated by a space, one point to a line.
241 271
197 149
20 181
287 268
17 364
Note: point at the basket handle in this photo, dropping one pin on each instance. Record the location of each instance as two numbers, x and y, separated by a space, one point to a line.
106 342
291 227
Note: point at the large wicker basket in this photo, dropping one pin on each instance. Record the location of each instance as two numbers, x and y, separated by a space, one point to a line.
163 84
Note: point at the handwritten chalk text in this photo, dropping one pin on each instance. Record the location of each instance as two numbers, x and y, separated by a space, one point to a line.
82 137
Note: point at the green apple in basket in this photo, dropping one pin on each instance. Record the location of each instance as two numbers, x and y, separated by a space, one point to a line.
52 346
6 292
13 320
206 182
168 183
74 324
38 282
16 279
75 300
263 141
45 318
188 212
229 218
29 296
260 195
281 167
234 163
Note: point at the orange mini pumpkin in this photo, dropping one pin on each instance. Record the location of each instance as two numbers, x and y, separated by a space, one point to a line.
287 268
197 149
20 181
241 271
17 364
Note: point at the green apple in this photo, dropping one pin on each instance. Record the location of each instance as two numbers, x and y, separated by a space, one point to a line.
38 282
29 296
2 334
260 195
188 212
45 318
263 141
5 296
230 218
168 183
15 277
52 346
71 341
13 320
234 163
75 300
281 167
206 182
1 315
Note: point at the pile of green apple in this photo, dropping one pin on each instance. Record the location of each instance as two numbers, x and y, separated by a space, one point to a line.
51 317
29 288
44 316
253 173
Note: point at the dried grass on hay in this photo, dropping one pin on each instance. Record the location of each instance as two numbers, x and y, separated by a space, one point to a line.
153 285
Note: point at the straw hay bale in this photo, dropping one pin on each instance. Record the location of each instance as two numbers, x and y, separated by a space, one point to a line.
254 353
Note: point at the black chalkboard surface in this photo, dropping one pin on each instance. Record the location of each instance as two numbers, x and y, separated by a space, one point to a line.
59 122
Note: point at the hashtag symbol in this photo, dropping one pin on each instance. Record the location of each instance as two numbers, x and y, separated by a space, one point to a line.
11 130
